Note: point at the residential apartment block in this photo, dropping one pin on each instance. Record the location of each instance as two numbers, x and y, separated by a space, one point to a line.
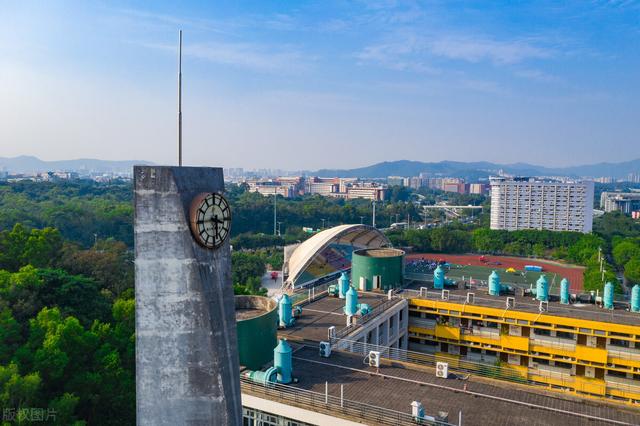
526 203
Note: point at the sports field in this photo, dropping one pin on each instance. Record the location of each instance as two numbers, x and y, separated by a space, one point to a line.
472 267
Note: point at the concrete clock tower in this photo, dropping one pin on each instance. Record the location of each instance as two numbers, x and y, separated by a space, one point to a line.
186 347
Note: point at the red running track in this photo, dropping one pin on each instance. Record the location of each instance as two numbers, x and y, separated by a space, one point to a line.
573 273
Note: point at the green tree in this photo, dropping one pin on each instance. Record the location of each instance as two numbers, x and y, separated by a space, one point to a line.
64 408
614 224
21 290
539 250
18 391
75 295
625 251
12 246
632 270
109 263
10 335
247 271
42 247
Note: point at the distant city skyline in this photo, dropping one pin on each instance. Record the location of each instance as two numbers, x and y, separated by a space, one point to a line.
312 85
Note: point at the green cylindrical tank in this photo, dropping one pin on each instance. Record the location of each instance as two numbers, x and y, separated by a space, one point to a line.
564 291
283 361
351 302
343 285
388 263
635 298
438 278
542 289
284 311
257 326
494 284
608 296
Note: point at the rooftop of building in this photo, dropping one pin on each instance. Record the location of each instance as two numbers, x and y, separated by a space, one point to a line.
379 252
585 311
248 307
395 385
537 180
323 313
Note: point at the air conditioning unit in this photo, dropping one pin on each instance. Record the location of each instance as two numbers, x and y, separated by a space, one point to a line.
325 349
442 369
374 359
544 306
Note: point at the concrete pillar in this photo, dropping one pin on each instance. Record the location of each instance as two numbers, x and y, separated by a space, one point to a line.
186 347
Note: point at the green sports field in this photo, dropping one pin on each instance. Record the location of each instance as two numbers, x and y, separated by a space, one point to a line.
479 267
519 278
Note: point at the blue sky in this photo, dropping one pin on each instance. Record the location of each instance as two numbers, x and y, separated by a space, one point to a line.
306 85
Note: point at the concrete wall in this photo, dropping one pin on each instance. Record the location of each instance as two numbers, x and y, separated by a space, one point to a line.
295 413
186 349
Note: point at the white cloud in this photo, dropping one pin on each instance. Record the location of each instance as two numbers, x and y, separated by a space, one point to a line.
410 48
249 55
472 49
252 56
537 75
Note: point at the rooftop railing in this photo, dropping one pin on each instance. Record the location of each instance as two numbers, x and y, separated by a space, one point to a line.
360 321
605 315
461 368
303 296
332 405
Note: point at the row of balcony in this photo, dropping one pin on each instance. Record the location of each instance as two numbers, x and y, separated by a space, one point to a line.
607 355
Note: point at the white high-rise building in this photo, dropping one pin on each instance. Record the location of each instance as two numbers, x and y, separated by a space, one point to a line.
525 203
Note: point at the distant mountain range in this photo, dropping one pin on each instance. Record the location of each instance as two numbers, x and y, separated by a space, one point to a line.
475 170
30 164
406 168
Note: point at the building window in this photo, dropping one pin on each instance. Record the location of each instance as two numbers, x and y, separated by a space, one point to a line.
614 373
248 417
541 332
565 335
617 342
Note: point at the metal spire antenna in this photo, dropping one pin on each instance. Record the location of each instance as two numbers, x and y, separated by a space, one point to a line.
180 98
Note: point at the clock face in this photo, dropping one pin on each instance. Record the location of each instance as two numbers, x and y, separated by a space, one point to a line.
210 218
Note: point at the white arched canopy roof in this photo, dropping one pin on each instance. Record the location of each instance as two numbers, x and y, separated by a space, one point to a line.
359 236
